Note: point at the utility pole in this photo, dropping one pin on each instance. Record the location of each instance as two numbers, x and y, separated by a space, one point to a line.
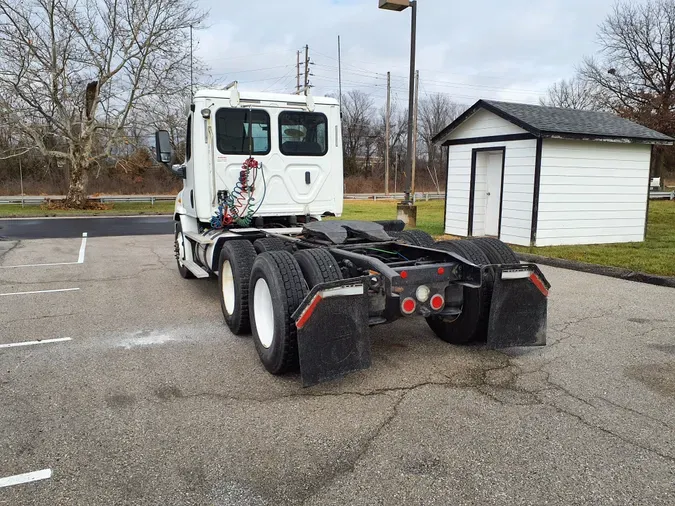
386 136
413 40
340 75
414 152
297 67
306 69
396 171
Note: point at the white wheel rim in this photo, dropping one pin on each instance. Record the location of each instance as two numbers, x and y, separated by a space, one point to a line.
263 313
227 286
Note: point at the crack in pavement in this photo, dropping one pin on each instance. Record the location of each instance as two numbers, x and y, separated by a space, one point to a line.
635 411
11 248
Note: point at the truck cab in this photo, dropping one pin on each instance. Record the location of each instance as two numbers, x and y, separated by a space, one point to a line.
296 140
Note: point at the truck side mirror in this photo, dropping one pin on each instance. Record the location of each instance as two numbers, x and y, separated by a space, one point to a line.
163 151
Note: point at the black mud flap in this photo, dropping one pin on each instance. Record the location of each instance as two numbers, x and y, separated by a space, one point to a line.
333 336
519 307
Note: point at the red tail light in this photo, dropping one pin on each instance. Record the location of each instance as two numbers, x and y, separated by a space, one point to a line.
408 306
437 302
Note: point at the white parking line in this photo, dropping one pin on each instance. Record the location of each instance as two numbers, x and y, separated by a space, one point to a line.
25 478
30 343
40 291
80 258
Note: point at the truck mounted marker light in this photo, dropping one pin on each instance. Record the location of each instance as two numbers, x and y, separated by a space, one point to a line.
403 274
437 302
441 271
422 293
408 306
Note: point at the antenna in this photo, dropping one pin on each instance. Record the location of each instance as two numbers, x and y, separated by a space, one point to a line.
192 91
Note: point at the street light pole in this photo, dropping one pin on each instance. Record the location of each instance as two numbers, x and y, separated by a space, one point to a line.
406 211
411 103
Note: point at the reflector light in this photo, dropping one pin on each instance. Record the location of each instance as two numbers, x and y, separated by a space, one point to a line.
441 271
437 302
408 306
404 274
422 293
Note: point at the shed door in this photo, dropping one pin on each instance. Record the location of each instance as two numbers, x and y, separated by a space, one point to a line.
493 192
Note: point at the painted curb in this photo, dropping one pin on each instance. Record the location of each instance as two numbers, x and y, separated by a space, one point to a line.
602 270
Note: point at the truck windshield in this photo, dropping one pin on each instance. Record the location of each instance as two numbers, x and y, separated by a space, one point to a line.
232 136
303 133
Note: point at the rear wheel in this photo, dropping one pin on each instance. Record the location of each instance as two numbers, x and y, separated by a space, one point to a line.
278 289
496 251
415 237
234 270
318 266
269 244
471 324
179 250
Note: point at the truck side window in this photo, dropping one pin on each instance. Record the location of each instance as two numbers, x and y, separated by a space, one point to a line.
232 135
188 139
303 133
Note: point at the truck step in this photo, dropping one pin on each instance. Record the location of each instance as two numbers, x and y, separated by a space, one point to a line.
196 269
198 238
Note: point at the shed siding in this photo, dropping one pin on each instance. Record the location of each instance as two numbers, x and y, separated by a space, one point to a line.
516 197
484 124
592 192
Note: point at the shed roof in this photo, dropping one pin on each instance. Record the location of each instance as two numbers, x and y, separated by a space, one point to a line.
543 121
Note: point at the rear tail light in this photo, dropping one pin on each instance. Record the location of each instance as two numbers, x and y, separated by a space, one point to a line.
437 302
408 305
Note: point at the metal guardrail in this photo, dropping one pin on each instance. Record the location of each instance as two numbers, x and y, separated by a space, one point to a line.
105 199
662 195
393 196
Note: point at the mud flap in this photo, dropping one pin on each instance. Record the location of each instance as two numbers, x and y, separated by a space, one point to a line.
519 307
333 335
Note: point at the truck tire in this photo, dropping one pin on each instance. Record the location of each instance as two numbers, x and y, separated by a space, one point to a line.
471 324
318 266
179 249
496 251
416 238
234 271
269 244
277 289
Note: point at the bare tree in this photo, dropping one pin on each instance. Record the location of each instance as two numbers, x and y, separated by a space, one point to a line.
357 112
73 72
636 67
436 111
576 93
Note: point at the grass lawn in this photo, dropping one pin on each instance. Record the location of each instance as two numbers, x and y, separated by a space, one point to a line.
117 209
429 214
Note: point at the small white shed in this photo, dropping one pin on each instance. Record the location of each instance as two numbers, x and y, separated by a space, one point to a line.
542 176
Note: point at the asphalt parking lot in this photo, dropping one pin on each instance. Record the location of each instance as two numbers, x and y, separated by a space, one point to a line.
153 401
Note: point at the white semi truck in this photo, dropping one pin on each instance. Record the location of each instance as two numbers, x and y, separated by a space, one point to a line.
261 172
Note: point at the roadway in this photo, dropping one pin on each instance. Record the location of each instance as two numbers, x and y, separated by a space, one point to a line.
61 228
143 396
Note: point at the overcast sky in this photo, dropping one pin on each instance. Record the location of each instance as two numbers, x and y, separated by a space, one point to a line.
496 49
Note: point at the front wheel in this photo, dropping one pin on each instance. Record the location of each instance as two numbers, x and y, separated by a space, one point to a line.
277 289
179 251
